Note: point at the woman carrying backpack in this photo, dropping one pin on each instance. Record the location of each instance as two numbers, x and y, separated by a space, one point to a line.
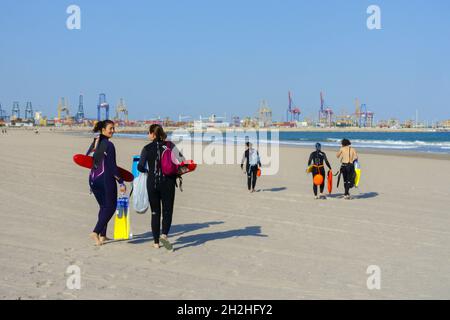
253 162
160 187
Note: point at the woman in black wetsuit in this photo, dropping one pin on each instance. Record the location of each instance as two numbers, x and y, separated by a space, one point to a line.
160 188
317 159
104 177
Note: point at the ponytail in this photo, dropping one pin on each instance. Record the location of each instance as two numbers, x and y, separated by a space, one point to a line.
100 125
158 131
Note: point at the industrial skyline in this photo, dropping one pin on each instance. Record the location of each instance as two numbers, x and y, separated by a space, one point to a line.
327 116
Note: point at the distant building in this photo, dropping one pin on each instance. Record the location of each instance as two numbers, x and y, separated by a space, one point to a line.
248 122
211 122
236 121
445 124
391 123
150 122
408 124
301 124
264 117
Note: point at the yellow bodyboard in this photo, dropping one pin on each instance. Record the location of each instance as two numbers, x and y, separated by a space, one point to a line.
357 176
122 225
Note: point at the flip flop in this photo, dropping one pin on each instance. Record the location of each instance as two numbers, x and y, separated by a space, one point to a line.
166 244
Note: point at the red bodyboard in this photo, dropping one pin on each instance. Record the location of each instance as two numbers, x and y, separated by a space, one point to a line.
87 162
330 181
186 167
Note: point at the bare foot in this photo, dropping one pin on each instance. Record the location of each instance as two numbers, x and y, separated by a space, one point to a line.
96 238
103 239
156 245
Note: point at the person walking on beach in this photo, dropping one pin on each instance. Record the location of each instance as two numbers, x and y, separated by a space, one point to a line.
347 156
160 188
252 164
317 159
104 177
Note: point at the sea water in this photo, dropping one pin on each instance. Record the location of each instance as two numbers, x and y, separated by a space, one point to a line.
428 142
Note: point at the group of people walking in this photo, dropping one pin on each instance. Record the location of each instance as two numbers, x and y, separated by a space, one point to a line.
104 177
347 156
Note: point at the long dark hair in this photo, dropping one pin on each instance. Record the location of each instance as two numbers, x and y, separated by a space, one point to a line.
99 126
158 131
345 142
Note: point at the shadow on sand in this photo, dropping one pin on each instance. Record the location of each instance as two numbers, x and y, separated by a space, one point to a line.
199 239
175 230
366 195
274 189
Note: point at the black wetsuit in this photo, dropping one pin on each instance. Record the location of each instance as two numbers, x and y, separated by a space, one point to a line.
348 173
251 170
317 158
160 188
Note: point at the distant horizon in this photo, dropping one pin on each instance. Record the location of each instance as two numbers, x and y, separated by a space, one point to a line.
112 111
201 58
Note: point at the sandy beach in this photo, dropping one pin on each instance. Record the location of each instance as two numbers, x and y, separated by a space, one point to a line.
278 243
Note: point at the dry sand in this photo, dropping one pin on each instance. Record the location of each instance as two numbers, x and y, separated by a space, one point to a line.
278 243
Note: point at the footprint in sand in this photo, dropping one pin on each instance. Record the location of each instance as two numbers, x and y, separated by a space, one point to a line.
107 287
156 260
36 267
44 284
93 256
76 262
233 273
108 277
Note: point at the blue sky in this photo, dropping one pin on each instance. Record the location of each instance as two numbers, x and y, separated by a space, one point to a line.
200 57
